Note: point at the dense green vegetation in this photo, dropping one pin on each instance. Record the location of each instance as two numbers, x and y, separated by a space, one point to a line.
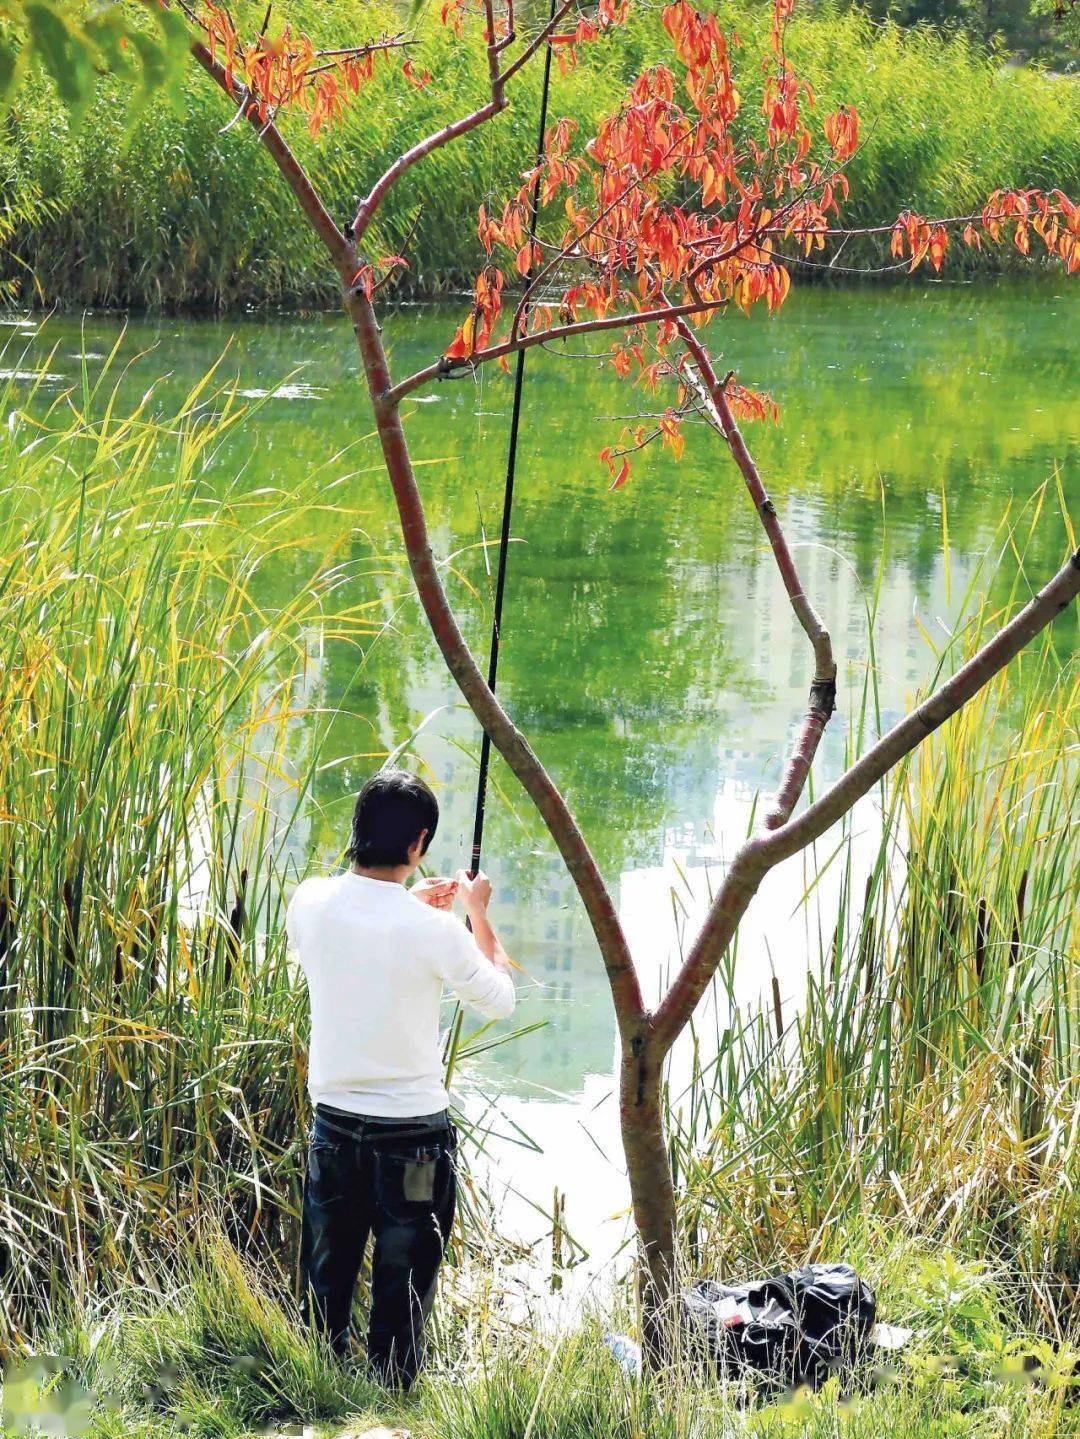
140 682
151 1035
193 217
931 1076
210 1350
919 1114
1042 28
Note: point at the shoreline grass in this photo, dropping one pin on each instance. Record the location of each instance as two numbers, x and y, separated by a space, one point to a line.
178 215
932 1076
150 1035
920 1115
160 733
213 1350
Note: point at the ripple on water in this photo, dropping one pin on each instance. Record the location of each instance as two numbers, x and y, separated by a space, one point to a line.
286 392
42 377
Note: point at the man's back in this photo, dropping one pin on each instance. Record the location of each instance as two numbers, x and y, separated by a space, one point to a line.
376 960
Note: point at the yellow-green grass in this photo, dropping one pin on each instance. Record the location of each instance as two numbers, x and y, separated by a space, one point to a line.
160 731
211 1348
180 214
151 1043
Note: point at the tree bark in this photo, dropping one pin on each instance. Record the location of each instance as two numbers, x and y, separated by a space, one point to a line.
652 1192
644 1039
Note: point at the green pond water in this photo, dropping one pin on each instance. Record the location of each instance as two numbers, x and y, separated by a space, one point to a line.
649 652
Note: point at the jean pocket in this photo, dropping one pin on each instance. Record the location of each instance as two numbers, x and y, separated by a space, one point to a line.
412 1181
326 1177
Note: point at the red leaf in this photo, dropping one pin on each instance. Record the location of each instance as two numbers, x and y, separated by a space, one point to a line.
622 477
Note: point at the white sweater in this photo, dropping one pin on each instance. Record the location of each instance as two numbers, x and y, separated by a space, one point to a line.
376 960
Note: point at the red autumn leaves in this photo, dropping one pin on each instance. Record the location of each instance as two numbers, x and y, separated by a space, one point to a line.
919 239
684 202
669 205
1051 215
283 71
745 405
564 44
475 332
842 132
681 204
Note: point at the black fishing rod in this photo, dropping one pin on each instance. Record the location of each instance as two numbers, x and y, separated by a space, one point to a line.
511 471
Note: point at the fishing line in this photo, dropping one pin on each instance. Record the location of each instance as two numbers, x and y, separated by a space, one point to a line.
511 471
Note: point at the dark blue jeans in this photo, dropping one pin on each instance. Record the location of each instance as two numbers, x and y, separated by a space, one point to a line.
392 1180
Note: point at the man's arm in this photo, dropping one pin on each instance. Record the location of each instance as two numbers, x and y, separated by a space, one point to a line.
475 895
475 966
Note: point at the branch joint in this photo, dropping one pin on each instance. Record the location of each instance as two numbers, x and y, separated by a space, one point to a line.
823 696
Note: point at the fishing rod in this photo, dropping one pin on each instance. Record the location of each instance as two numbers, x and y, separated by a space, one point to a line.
511 473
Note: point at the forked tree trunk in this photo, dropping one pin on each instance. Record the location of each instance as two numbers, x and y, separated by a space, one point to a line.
652 1192
644 1038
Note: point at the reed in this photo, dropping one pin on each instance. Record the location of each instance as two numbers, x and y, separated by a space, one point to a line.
153 768
192 218
160 737
930 1080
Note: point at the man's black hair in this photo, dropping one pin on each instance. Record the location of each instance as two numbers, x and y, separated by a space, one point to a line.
391 810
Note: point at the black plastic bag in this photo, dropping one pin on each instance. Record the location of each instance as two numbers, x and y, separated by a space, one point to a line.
786 1330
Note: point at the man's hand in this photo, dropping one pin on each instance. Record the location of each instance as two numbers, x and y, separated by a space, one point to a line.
437 891
475 893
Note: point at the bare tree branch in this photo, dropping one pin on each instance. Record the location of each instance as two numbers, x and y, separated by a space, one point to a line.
823 690
763 851
538 39
443 368
622 976
845 232
368 206
1054 597
497 79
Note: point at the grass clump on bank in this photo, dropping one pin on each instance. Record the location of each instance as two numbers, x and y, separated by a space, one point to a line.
931 1077
156 748
161 723
181 215
213 1350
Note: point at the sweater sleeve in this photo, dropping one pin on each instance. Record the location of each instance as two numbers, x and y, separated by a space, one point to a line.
293 918
471 976
292 941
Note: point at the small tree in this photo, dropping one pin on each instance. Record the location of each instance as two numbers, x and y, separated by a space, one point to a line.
680 206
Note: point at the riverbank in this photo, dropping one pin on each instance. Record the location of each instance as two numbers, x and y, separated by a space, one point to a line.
220 1355
179 215
207 642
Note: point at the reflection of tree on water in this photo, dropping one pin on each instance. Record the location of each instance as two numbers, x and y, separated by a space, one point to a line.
648 651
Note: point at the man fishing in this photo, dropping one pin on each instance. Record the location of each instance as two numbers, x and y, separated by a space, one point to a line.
381 1161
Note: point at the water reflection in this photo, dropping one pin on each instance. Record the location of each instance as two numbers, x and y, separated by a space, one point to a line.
649 650
573 1151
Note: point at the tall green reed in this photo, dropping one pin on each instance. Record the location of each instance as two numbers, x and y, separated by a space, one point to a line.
157 749
178 214
161 725
931 1079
